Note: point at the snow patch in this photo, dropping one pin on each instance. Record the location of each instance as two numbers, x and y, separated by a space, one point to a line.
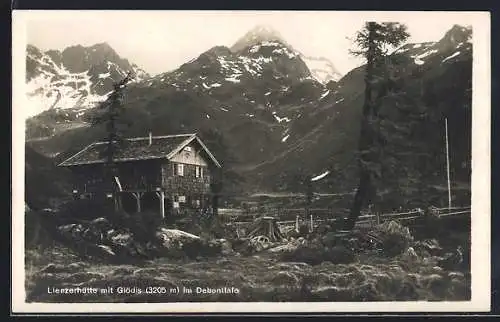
324 95
105 75
285 51
402 49
321 176
451 56
285 138
280 119
263 60
224 109
233 79
254 49
321 69
418 61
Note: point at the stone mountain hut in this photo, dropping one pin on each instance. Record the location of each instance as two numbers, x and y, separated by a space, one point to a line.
161 173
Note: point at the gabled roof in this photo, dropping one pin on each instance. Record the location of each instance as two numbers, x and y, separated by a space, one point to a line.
138 149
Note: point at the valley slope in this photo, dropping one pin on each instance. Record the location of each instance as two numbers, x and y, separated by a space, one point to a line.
273 124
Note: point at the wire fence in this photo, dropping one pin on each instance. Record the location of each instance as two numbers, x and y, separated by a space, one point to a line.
314 217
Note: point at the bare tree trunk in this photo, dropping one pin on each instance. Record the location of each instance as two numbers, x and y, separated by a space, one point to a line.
366 137
362 193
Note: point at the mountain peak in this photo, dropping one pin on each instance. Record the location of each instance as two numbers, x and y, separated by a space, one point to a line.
457 34
256 35
103 46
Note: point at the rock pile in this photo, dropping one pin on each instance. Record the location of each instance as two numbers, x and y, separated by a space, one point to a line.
99 238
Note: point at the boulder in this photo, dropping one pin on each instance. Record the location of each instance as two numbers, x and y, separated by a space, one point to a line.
428 247
174 238
117 237
289 246
107 250
53 268
100 222
71 231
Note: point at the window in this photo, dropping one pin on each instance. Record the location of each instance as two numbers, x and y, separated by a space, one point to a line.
182 199
187 149
199 172
179 169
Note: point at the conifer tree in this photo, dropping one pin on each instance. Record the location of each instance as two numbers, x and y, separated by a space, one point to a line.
373 43
110 114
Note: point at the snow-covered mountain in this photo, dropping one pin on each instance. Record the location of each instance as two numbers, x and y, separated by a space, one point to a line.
322 69
252 94
256 35
458 41
76 78
261 111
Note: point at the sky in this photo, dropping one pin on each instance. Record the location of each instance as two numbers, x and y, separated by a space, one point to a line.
159 41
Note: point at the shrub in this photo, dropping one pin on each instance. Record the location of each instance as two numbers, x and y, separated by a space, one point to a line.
394 244
143 225
395 238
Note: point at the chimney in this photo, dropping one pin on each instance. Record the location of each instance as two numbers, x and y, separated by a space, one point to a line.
150 138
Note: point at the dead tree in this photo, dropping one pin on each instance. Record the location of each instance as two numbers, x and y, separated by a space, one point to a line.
266 226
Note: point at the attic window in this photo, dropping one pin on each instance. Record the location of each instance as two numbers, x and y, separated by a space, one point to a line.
187 149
